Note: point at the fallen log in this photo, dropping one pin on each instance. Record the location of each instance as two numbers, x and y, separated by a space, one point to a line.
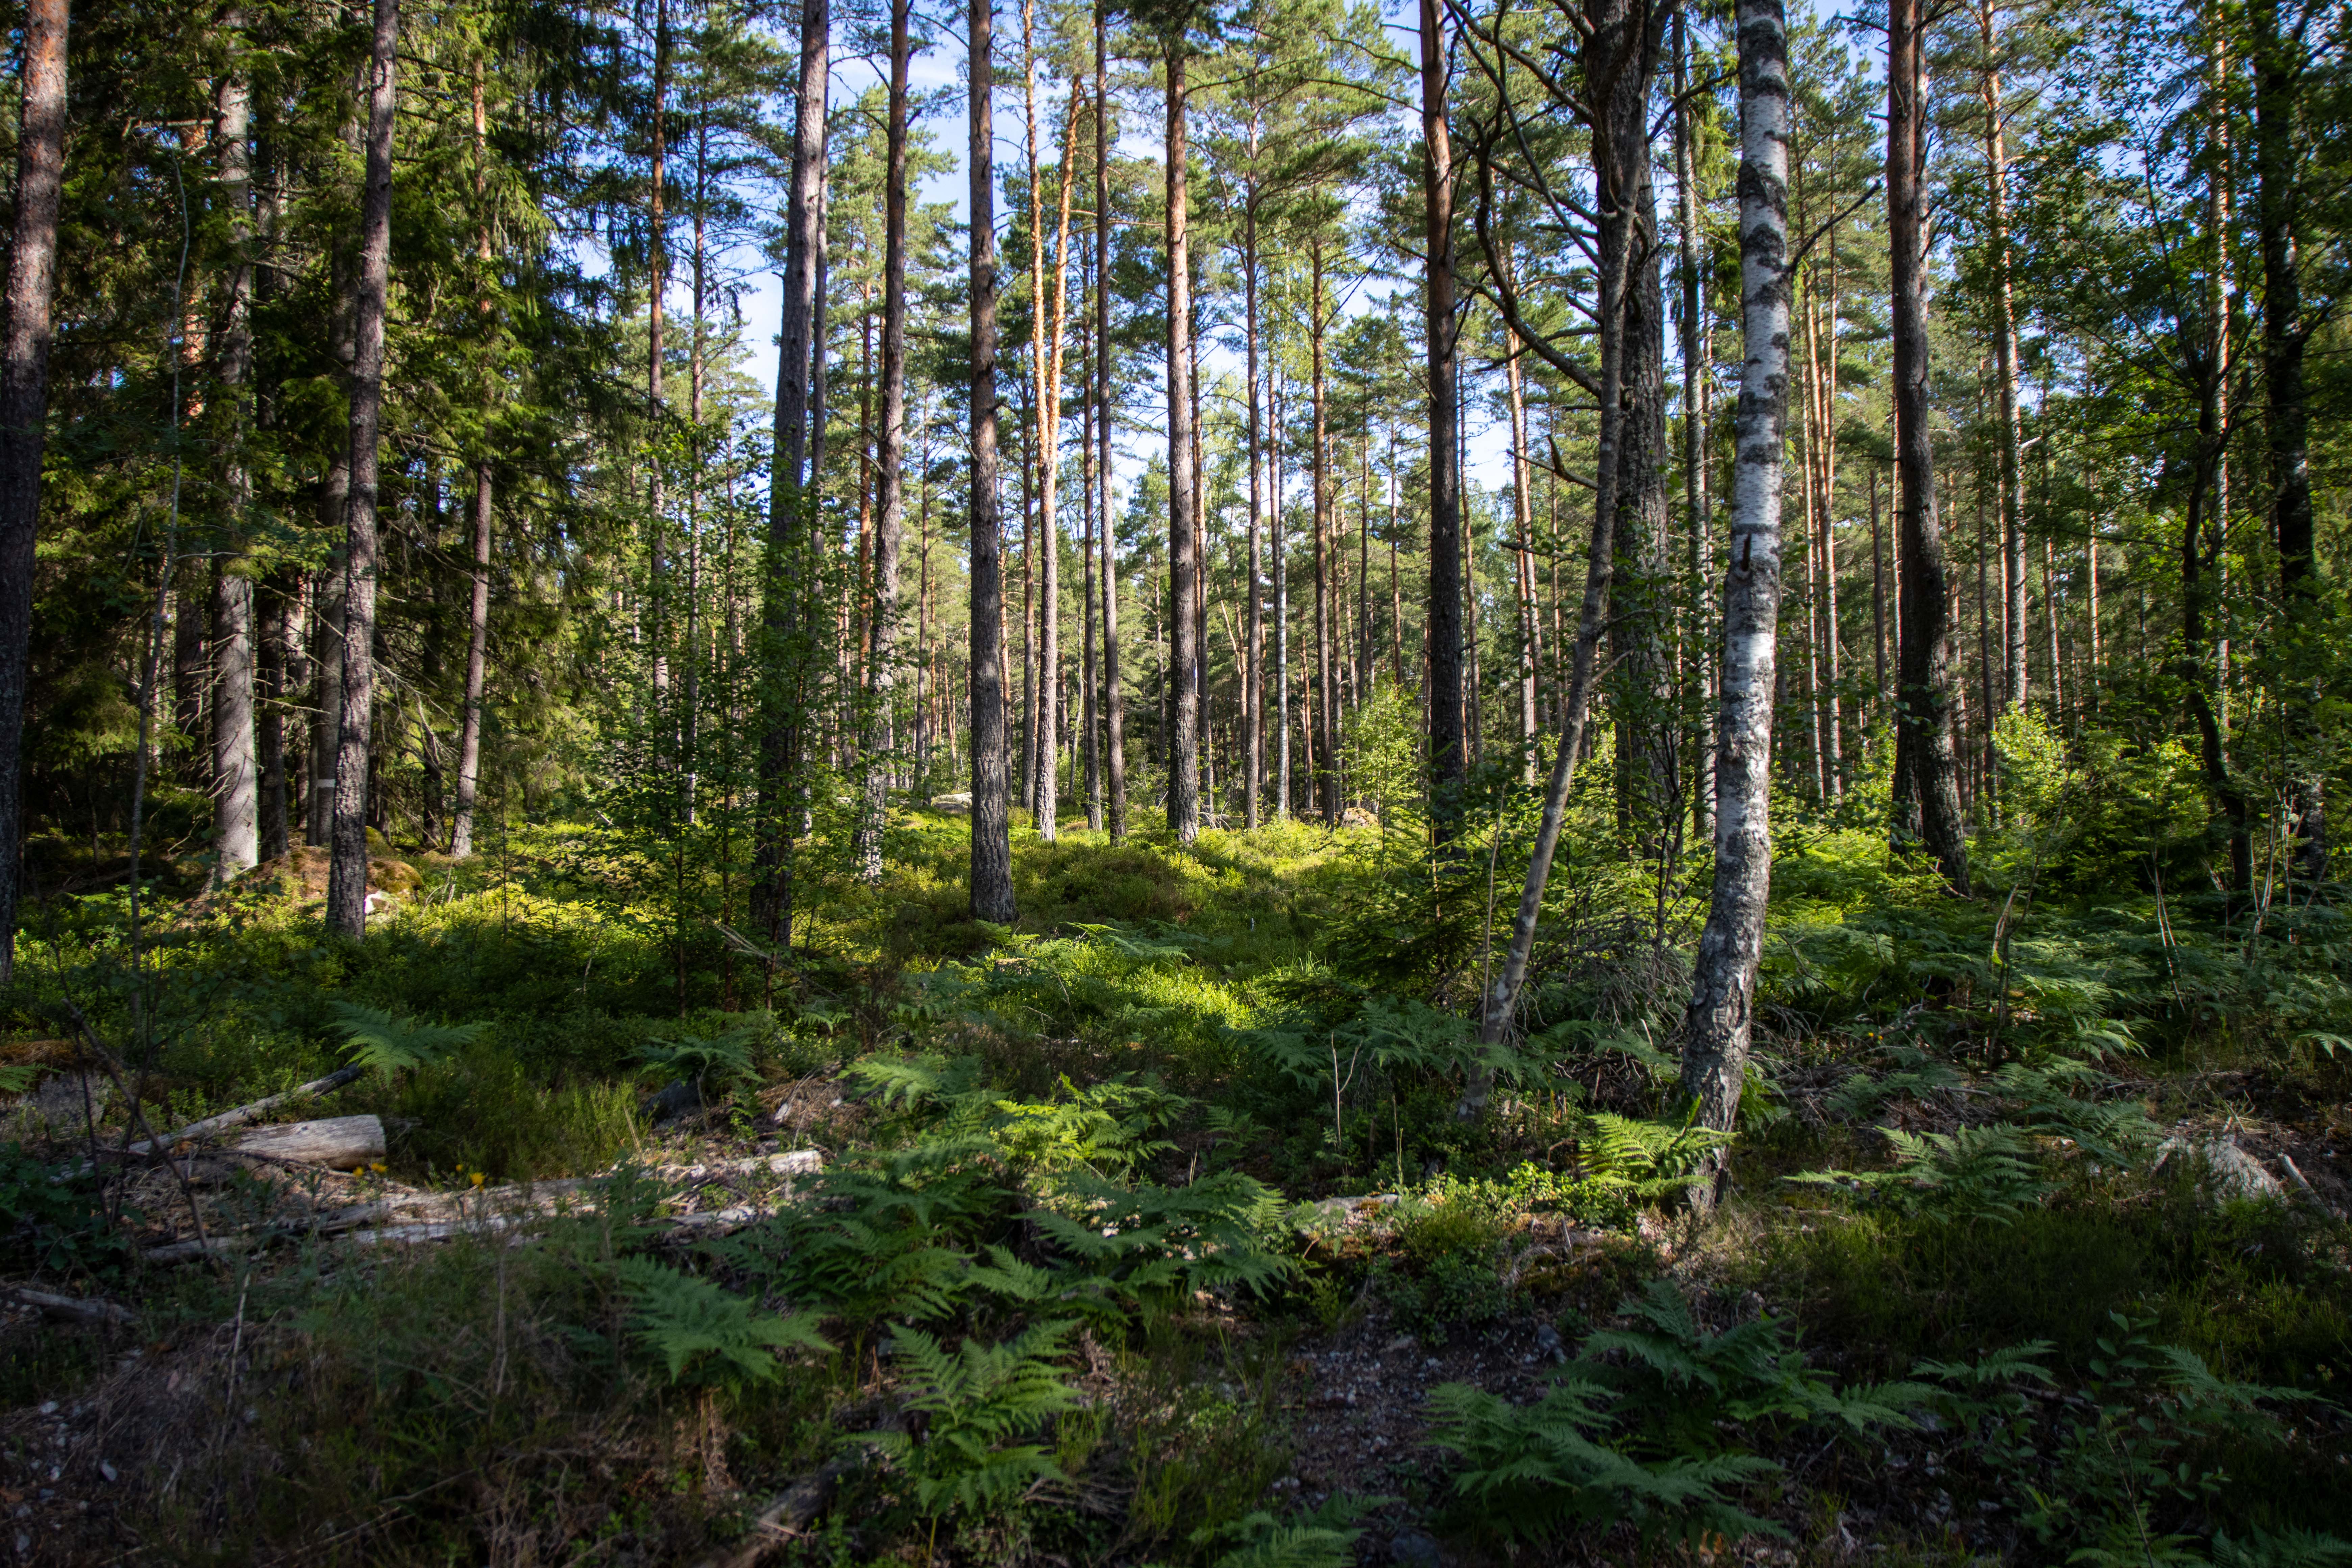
338 1143
72 1309
244 1114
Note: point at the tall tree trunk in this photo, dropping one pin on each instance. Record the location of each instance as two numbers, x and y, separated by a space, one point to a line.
1183 522
1447 760
477 611
2004 351
2279 63
273 682
1328 739
787 608
992 837
24 412
1718 1024
1275 547
1623 41
346 871
1927 790
1114 694
237 802
1523 576
1046 354
882 664
1091 713
1697 357
1253 678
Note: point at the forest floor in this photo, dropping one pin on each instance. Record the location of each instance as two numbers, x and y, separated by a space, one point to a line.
1145 1232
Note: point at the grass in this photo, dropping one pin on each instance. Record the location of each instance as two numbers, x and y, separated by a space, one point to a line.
481 1402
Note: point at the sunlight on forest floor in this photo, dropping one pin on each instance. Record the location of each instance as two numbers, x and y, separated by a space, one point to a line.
1145 1232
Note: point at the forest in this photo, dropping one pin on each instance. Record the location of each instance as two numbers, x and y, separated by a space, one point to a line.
1208 783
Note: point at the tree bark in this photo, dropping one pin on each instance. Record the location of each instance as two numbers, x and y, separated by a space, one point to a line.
477 611
1328 726
346 871
236 801
1114 695
2004 351
992 832
1253 678
1718 1024
24 412
1448 763
890 528
786 611
1045 353
1696 351
1926 799
1184 522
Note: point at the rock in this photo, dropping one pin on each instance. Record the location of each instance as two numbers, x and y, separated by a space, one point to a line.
1402 1342
1358 817
1547 1342
2228 1173
674 1100
956 805
1412 1547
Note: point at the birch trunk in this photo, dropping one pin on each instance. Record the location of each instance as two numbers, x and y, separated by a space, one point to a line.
1721 1015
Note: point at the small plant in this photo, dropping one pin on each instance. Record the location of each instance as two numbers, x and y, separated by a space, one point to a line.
705 1334
1323 1539
385 1043
980 1403
1972 1173
706 1063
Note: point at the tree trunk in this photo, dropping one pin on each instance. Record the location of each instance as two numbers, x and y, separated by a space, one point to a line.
477 611
2004 351
1623 42
1184 742
347 873
1328 737
1696 356
1718 1024
1114 697
992 839
1046 354
1927 807
1447 760
1523 578
24 412
237 802
881 667
786 612
1253 678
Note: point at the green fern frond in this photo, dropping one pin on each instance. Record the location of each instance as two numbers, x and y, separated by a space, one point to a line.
385 1043
707 1334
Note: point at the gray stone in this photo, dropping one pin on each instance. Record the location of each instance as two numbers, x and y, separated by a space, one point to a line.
1410 1547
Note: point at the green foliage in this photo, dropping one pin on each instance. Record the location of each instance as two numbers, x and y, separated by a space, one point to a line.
53 1219
704 1333
1324 1538
1643 1429
980 1403
1972 1173
384 1043
711 1062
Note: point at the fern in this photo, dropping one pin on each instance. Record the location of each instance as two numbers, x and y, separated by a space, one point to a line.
1973 1173
1154 1245
705 1334
981 1401
2287 1549
1529 1472
1322 1539
1651 1159
717 1060
384 1043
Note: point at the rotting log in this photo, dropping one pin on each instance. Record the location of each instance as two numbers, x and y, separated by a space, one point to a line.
71 1309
